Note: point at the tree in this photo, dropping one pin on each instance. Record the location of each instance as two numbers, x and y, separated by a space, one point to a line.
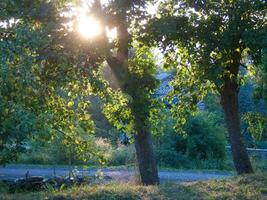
42 94
136 77
68 69
208 42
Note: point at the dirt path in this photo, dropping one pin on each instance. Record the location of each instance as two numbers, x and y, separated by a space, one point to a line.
121 175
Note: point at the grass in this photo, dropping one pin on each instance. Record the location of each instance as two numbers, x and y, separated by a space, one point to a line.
250 187
211 171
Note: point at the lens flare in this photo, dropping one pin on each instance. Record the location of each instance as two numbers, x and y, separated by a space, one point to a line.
89 27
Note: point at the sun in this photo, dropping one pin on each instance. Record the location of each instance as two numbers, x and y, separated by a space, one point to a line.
89 27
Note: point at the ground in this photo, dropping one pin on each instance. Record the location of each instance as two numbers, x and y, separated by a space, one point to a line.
250 187
174 185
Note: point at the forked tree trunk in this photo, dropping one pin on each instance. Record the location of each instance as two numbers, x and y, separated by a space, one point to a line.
145 158
229 102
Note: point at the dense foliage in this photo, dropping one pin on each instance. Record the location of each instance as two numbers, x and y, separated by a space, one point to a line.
40 80
207 42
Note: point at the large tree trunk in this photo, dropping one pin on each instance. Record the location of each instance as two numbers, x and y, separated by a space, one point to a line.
144 151
229 101
146 160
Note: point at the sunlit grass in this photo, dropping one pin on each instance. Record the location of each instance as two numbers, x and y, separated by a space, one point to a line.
239 187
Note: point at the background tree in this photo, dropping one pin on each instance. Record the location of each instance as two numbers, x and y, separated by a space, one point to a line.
208 42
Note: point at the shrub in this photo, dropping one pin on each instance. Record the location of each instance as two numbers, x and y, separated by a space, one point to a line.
203 145
205 138
122 155
261 144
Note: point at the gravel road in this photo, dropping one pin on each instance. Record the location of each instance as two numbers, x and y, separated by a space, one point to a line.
121 175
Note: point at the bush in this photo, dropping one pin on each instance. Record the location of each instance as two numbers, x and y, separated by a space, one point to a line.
261 144
205 139
122 155
203 145
56 153
41 156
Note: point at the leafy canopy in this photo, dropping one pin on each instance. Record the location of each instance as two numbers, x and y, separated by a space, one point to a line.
207 42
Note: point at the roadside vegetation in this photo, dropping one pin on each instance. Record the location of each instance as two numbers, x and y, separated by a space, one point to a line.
200 144
247 187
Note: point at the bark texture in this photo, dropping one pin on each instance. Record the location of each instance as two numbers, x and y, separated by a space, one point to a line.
144 151
229 102
145 158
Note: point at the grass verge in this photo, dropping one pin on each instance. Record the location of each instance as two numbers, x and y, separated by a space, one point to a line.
248 187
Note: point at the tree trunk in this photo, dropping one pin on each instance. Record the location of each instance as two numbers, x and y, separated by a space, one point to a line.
229 102
119 65
145 158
